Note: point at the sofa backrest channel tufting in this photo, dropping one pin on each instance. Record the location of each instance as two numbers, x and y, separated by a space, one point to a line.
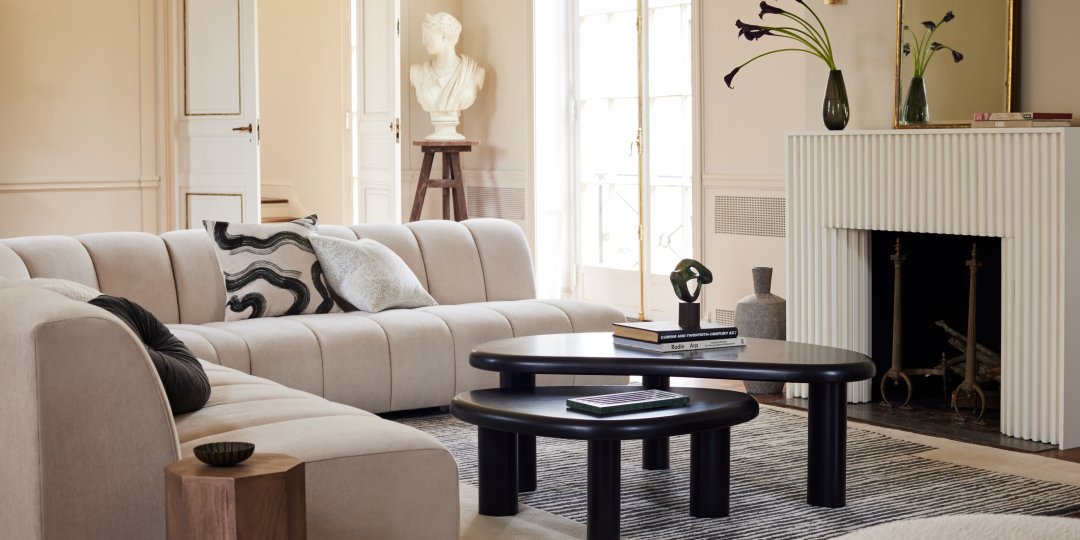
177 277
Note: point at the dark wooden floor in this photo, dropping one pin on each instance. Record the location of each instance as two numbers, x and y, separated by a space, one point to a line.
1007 443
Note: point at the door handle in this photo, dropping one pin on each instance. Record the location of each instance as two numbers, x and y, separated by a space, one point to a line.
246 128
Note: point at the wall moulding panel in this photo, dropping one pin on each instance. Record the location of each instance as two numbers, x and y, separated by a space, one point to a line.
79 184
211 57
73 212
83 116
1013 184
768 182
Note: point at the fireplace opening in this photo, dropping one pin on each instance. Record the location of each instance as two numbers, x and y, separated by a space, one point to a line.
934 287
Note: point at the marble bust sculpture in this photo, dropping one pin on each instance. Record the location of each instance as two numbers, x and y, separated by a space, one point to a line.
447 84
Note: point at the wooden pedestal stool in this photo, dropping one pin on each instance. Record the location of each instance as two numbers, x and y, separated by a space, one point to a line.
451 182
261 498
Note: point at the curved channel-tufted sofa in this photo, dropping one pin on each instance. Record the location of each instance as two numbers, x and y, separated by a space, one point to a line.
87 430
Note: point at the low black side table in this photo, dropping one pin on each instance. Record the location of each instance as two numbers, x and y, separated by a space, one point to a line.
501 414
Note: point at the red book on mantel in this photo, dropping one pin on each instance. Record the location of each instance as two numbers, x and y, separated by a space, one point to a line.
1022 116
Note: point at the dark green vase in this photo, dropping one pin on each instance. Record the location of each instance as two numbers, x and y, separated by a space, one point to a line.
835 111
915 110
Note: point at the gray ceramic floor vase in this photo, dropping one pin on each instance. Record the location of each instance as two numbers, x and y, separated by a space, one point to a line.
762 315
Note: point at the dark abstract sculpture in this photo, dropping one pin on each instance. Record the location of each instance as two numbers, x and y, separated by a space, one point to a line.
686 271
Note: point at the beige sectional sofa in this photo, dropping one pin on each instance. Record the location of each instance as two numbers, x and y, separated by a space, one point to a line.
86 429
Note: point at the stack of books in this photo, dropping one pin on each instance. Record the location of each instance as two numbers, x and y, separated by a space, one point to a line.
1021 120
668 336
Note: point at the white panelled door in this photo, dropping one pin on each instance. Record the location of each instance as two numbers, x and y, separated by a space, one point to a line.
374 111
217 116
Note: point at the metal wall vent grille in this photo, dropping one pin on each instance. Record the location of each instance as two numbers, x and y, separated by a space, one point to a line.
725 317
496 202
750 216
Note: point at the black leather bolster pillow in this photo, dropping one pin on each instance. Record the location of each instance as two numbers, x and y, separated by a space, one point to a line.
183 377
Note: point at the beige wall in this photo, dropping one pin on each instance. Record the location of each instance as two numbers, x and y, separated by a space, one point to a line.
81 117
498 35
303 55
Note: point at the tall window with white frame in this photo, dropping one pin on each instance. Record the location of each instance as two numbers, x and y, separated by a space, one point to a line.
607 166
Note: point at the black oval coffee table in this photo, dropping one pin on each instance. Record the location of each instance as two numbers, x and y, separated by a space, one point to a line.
826 369
502 415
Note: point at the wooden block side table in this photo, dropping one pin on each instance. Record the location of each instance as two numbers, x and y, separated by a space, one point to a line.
451 182
261 498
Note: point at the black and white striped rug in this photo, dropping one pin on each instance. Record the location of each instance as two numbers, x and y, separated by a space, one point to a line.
887 481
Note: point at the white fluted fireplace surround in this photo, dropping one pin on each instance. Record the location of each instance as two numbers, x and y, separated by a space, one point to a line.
1021 185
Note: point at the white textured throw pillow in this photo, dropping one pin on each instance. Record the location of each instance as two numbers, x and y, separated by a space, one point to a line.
369 275
270 269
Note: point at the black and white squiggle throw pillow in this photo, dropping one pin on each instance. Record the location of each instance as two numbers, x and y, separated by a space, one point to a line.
270 269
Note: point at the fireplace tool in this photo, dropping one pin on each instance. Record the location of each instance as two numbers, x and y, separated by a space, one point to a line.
898 372
970 388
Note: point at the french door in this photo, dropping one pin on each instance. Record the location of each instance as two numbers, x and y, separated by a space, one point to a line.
216 116
633 152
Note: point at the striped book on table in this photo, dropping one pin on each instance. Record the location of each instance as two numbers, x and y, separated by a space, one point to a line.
671 332
680 346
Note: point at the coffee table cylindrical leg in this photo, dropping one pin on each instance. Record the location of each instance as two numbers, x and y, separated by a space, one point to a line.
526 443
654 452
526 463
710 473
604 485
498 473
827 445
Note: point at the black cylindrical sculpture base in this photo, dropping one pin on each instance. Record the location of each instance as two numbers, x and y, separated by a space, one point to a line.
690 315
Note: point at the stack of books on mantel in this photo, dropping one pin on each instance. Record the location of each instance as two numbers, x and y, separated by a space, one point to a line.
1021 120
668 336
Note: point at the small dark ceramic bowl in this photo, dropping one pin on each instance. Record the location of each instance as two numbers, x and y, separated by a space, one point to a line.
224 454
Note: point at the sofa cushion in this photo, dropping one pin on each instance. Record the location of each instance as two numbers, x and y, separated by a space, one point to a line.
355 358
61 257
362 472
200 289
150 282
11 265
454 272
181 374
369 275
270 269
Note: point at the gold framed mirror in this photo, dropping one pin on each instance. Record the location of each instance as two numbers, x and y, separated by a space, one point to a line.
954 58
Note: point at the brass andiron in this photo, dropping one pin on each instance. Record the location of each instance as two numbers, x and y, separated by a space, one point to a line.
897 372
988 368
970 387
